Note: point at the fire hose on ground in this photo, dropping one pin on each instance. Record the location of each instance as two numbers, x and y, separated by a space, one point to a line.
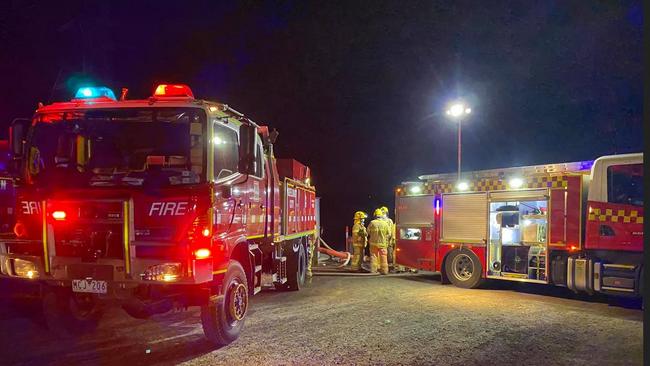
335 270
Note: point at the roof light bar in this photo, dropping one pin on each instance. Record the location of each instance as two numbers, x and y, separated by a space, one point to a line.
94 92
173 90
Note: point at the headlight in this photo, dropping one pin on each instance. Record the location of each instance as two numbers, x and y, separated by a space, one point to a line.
23 268
166 272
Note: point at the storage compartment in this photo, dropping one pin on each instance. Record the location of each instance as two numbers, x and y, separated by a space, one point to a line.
292 168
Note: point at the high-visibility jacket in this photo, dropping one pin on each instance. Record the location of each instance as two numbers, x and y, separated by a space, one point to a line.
359 234
392 229
379 233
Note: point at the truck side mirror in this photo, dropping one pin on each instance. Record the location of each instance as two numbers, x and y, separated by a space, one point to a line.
17 134
247 149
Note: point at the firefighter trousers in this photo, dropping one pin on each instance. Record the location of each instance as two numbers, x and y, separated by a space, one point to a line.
378 259
391 255
357 257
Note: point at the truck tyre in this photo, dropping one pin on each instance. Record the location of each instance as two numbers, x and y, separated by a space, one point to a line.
68 315
223 317
464 269
296 268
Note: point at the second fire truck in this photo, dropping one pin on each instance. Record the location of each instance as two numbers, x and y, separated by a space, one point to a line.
161 203
578 225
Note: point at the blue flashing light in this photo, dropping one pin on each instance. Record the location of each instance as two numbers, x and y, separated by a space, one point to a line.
586 165
91 92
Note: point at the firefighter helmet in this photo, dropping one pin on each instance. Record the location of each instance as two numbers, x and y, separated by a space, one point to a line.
384 209
360 215
379 212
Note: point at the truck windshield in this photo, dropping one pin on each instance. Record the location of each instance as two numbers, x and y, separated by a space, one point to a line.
108 147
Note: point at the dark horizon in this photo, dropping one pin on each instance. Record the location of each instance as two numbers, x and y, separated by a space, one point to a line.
357 92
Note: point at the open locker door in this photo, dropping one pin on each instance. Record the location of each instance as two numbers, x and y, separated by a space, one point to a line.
415 232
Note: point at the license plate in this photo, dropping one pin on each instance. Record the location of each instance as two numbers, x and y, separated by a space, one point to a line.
90 286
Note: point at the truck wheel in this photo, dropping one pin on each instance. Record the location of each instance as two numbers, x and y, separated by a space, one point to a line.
296 268
223 317
464 269
68 314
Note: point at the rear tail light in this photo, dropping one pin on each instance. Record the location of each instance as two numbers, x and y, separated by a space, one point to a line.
202 253
20 230
200 230
59 215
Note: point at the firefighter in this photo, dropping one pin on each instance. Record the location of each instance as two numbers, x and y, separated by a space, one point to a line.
391 244
379 235
359 239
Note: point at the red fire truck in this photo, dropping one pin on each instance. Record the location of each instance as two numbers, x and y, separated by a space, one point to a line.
578 225
161 203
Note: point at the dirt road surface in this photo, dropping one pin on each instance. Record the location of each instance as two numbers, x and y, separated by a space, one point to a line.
407 319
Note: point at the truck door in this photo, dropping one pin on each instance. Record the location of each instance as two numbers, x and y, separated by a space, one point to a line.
415 237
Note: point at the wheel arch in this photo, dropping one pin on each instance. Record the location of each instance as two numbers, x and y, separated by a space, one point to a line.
241 254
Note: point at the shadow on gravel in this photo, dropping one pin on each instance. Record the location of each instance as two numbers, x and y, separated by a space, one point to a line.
538 289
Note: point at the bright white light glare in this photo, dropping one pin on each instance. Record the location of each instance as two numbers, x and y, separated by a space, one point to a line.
507 236
217 140
458 109
516 182
527 222
462 186
415 189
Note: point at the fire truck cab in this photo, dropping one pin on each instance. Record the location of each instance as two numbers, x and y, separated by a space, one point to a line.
578 225
161 203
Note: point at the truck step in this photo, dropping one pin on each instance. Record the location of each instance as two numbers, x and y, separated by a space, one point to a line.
257 289
252 246
280 280
258 268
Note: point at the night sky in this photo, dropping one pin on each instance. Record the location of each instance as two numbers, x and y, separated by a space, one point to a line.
358 89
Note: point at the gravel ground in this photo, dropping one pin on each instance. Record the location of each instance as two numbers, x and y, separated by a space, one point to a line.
407 319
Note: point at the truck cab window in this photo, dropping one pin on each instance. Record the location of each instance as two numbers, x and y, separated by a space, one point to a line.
625 184
226 151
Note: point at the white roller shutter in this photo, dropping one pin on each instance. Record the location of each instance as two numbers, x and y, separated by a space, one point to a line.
523 195
464 217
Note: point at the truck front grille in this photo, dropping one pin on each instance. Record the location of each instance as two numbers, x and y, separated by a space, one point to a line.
92 230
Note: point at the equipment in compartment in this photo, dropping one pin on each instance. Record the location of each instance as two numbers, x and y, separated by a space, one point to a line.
537 263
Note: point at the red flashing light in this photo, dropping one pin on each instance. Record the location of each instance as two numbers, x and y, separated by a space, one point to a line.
206 232
173 90
202 253
573 248
59 215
